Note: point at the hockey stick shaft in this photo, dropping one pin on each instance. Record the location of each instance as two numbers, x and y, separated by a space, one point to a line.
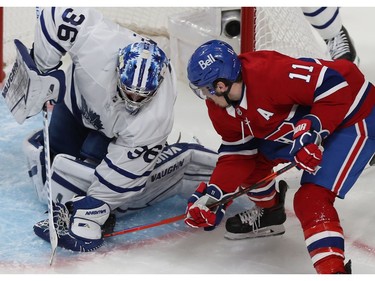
146 226
52 230
224 201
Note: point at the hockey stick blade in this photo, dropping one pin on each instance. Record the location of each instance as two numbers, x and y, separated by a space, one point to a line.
224 201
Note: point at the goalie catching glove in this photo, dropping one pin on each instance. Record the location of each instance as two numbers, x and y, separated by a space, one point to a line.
198 214
307 149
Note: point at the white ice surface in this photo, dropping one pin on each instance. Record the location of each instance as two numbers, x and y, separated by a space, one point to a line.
175 248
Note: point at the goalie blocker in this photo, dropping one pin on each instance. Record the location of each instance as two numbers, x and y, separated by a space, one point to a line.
27 89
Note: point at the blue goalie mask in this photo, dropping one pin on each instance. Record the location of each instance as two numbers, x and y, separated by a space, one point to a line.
213 60
141 69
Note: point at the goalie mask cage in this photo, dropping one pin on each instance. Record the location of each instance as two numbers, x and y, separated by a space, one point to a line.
180 30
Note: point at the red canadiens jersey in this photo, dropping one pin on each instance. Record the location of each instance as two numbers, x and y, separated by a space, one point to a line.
278 91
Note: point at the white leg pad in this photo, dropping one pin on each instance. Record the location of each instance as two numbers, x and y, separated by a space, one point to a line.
180 169
70 177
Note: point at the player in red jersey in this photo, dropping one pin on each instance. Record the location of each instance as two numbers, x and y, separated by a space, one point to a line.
269 109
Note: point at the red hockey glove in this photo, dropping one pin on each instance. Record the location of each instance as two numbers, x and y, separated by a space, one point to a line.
307 149
198 214
309 157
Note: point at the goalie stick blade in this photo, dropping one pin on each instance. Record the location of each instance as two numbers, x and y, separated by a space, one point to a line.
54 241
53 254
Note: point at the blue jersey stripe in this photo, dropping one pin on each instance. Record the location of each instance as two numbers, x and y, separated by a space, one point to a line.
315 13
337 242
331 80
123 172
359 104
49 39
328 23
53 10
73 98
250 146
116 188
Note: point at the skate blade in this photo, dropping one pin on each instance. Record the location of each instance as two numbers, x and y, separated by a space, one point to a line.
264 232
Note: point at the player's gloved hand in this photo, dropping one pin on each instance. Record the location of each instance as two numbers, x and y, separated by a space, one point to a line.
307 149
198 214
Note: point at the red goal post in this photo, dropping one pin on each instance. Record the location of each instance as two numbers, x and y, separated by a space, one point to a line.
247 29
2 73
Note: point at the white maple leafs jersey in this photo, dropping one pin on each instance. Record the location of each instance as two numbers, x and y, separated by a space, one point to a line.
93 43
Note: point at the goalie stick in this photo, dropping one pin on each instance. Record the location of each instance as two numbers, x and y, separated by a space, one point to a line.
224 201
52 230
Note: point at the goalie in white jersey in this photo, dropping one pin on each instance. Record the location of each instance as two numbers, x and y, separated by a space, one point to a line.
108 130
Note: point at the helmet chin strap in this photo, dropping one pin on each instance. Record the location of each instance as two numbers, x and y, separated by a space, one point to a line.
229 101
226 97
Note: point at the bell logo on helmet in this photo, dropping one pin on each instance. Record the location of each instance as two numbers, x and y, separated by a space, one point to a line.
205 63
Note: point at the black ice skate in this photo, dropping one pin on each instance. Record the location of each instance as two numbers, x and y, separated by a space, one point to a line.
342 47
347 267
259 222
372 161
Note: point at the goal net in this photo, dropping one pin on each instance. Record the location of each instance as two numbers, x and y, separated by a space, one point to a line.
179 30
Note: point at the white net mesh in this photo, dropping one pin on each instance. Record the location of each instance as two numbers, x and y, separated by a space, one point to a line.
19 23
286 30
151 21
179 30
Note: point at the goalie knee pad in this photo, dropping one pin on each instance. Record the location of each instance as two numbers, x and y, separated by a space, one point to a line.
88 215
70 177
34 150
